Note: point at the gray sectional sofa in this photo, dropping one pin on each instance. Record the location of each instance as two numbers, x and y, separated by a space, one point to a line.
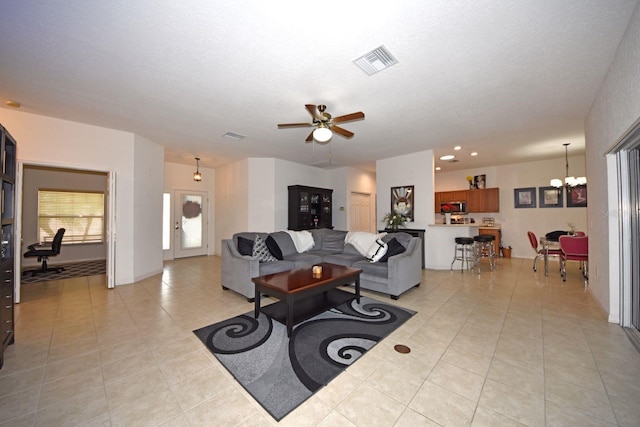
398 274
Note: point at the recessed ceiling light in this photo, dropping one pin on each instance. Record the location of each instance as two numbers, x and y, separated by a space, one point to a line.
457 148
11 103
438 168
448 157
474 153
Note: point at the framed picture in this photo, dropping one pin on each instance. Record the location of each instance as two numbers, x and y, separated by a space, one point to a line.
480 181
551 197
577 196
402 201
525 197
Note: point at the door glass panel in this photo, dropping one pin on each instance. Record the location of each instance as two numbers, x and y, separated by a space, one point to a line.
191 236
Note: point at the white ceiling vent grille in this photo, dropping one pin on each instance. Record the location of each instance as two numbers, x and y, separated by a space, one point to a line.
234 136
376 60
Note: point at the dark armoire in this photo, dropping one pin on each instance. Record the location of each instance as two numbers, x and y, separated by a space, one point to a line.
310 207
7 209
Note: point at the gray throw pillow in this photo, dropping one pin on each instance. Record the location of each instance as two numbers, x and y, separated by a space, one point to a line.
261 251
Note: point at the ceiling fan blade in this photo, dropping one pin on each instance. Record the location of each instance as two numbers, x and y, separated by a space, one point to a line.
341 131
294 125
310 137
313 110
349 117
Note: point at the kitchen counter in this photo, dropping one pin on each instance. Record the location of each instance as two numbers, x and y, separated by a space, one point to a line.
455 225
440 246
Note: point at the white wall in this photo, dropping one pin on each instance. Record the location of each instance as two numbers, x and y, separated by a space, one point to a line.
62 143
180 177
147 207
345 181
413 169
231 201
262 196
616 108
36 178
252 194
288 173
516 222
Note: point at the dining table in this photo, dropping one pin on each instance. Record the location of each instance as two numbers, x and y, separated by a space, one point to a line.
548 244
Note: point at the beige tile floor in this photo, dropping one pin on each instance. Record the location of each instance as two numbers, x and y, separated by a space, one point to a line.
504 348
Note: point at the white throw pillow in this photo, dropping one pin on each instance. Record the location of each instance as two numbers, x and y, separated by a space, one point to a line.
377 250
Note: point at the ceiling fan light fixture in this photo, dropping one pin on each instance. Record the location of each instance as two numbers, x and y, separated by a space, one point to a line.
322 134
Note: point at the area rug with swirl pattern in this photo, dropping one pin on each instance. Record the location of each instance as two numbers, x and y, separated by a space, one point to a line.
280 372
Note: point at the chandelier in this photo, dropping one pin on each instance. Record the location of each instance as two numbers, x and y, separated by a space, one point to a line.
569 181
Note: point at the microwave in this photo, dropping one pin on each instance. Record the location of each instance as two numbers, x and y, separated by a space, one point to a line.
460 207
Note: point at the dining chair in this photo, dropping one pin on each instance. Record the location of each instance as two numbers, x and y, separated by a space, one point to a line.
574 248
579 234
540 250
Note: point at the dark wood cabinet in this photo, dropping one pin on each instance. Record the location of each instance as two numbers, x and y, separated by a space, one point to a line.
310 207
7 214
478 201
483 200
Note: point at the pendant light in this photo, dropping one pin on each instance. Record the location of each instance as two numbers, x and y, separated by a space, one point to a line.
569 181
197 176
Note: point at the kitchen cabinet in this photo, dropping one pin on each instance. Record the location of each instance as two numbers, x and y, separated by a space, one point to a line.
478 200
495 232
483 200
310 207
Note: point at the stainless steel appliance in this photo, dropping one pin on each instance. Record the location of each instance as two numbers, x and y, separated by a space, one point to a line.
460 207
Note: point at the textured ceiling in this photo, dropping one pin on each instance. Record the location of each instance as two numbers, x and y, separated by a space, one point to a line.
511 80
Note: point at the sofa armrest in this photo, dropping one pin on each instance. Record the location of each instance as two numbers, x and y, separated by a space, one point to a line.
405 269
237 269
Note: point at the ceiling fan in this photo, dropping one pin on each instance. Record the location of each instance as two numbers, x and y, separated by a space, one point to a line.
324 123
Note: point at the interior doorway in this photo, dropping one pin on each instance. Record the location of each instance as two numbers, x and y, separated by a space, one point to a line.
360 212
190 223
30 178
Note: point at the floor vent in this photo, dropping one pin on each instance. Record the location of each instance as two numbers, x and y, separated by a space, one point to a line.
376 60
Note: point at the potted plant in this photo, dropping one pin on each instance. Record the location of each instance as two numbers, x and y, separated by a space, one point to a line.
446 210
394 220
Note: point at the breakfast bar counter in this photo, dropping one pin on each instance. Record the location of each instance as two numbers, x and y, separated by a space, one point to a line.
440 243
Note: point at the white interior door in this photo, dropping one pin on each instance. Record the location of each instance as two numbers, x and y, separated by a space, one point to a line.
191 221
360 212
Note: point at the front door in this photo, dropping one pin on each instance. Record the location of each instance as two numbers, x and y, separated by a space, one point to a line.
191 220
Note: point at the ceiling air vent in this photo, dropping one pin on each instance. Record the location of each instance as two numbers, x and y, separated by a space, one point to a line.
234 136
376 60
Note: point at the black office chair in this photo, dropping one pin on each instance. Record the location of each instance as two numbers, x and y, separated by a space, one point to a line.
44 251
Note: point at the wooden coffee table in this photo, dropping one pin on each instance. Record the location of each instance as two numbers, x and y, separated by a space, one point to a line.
302 295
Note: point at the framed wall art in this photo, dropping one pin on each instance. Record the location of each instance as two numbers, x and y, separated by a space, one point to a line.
480 181
551 197
577 196
402 201
525 197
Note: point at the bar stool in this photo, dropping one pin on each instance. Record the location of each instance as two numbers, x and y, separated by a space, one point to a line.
464 251
484 249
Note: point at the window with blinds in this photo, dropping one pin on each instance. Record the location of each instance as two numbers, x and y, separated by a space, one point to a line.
81 214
